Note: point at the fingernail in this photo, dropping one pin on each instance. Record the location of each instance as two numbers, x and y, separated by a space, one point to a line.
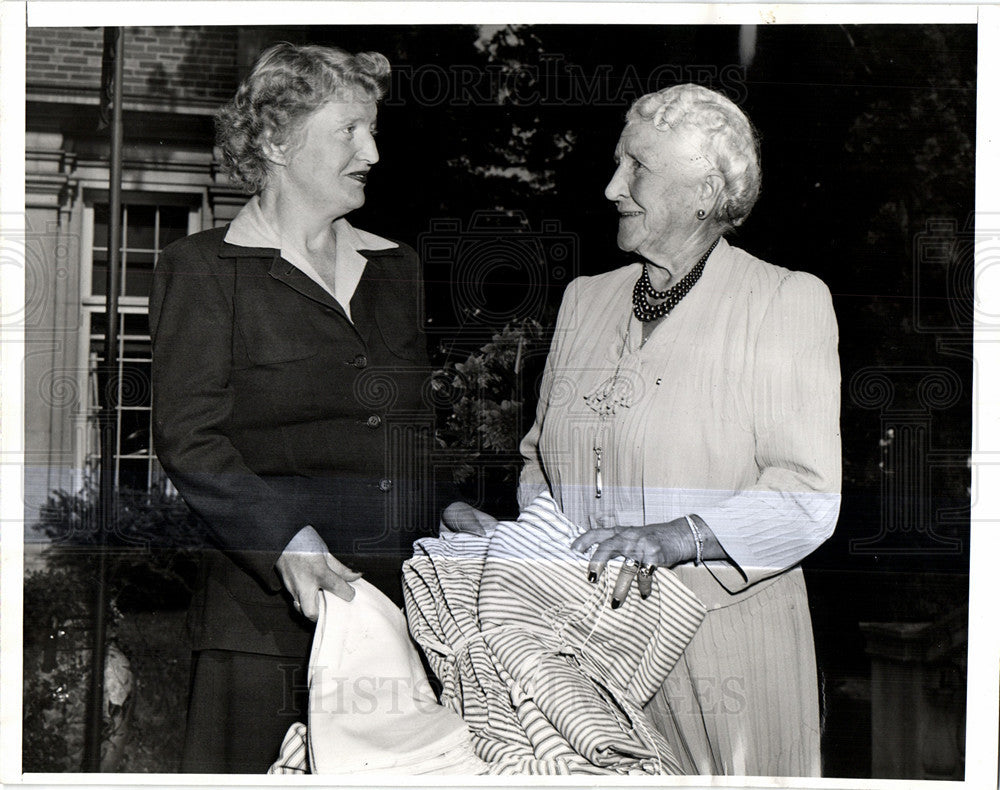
615 603
592 577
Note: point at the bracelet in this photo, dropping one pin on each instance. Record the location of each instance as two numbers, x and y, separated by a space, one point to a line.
699 543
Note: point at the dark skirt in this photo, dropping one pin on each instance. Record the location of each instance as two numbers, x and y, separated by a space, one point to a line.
241 706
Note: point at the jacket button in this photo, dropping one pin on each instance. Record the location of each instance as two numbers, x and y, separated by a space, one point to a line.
385 484
360 361
374 421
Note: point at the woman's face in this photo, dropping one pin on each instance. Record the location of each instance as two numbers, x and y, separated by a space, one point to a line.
326 165
656 188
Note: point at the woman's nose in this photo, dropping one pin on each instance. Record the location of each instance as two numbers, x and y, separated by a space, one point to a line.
616 188
368 152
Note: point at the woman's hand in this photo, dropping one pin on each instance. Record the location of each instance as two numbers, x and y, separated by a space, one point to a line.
647 547
306 567
463 517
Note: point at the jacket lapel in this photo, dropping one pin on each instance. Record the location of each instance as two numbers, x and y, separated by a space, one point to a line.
282 271
368 295
381 285
363 308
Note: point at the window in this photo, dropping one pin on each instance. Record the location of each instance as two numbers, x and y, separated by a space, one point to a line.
149 223
146 230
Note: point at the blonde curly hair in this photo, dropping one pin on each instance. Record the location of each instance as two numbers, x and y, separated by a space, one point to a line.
722 134
286 85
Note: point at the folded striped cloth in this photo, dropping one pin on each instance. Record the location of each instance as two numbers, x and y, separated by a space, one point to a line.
293 754
549 678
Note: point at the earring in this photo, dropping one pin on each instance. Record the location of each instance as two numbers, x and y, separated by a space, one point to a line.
701 213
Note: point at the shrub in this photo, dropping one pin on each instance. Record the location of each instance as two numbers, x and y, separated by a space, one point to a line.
151 550
151 564
483 408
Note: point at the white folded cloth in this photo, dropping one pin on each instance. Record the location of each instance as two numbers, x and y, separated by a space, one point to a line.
371 707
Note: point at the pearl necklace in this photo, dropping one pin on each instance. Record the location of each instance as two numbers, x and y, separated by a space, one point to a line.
644 291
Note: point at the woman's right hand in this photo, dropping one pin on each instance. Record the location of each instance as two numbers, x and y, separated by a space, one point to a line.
463 517
306 566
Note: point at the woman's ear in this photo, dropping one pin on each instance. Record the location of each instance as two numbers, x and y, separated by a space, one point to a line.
710 193
275 153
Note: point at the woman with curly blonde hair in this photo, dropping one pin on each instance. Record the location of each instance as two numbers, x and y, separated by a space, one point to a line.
275 340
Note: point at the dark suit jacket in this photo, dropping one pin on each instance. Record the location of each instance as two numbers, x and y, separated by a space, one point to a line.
271 411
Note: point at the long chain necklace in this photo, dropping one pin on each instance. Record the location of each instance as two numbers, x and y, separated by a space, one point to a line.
606 398
644 291
605 402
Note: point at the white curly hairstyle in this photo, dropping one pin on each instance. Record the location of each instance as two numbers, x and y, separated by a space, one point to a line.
722 134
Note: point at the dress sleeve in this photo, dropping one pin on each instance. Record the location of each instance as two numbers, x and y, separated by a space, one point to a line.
793 506
533 480
191 325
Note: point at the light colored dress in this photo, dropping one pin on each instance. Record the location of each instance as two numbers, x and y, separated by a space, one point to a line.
730 410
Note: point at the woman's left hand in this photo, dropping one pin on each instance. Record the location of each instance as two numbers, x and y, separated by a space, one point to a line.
647 546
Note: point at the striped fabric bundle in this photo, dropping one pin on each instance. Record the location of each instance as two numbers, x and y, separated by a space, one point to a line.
293 755
548 677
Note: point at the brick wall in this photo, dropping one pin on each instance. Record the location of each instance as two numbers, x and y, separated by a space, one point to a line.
161 63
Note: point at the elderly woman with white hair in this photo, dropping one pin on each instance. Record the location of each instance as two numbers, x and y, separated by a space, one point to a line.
689 412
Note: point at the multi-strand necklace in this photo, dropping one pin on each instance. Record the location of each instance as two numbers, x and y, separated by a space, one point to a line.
644 291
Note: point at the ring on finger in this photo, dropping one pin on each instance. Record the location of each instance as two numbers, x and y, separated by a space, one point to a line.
624 581
630 568
644 580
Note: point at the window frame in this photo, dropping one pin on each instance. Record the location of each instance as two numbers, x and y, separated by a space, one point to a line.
88 449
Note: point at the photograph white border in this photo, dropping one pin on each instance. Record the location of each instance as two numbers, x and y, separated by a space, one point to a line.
983 697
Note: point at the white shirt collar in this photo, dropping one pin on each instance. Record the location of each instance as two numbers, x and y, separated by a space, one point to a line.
251 229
